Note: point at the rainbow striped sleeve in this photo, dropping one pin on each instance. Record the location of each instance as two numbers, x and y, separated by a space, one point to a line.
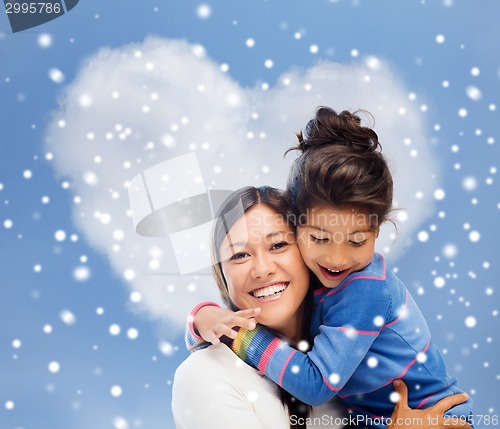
260 348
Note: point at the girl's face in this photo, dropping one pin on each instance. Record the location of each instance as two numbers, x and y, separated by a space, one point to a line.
263 268
336 242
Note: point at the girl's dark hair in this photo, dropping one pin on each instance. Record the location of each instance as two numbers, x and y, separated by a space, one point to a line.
340 165
232 209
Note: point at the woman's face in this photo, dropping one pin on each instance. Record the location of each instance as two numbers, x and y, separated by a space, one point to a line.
263 268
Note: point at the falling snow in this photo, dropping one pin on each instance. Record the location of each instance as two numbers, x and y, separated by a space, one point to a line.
54 367
56 75
470 322
116 391
204 11
67 317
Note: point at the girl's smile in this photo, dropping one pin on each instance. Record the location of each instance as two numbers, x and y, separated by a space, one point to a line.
335 242
334 275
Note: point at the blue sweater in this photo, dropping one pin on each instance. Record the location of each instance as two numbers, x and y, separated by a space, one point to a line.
367 332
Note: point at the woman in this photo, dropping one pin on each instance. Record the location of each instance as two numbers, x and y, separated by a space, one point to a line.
256 263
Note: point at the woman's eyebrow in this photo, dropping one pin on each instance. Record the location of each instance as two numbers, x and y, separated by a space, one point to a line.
238 243
274 233
243 243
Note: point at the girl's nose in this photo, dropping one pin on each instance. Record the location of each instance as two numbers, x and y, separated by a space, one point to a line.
336 257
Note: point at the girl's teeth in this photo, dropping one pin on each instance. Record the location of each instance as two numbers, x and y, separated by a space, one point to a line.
269 290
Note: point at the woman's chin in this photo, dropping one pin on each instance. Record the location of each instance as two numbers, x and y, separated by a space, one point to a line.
275 320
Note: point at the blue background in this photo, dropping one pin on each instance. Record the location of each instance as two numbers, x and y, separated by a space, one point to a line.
403 33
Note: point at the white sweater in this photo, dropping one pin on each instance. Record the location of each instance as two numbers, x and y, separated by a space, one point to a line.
214 389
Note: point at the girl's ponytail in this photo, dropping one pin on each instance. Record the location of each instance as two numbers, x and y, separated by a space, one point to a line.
343 129
341 165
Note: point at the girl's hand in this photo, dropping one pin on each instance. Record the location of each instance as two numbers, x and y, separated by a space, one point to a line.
214 322
405 417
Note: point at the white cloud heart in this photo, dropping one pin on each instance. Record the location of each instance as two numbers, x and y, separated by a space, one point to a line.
135 106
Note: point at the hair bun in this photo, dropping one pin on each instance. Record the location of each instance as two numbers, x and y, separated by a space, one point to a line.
343 129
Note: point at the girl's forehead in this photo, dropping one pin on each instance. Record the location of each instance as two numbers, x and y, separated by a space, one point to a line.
333 218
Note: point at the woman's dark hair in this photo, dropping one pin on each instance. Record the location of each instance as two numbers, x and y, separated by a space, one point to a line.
340 165
232 209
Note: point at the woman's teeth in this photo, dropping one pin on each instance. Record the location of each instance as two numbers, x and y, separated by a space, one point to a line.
269 290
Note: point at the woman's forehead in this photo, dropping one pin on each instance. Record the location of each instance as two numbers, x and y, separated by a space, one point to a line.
258 223
261 218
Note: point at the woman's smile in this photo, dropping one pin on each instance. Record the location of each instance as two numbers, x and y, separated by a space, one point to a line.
263 268
270 293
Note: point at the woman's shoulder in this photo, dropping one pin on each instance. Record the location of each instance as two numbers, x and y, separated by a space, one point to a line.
212 357
219 365
213 388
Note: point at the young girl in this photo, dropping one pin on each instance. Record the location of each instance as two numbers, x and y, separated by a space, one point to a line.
367 329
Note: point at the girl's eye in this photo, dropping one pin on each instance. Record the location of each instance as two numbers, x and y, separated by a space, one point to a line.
280 245
318 240
357 243
238 256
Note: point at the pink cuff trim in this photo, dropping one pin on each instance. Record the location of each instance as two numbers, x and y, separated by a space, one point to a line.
267 354
193 313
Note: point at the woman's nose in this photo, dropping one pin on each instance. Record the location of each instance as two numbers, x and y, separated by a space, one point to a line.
263 266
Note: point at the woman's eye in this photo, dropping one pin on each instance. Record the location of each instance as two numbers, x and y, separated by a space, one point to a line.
238 256
318 240
357 243
280 245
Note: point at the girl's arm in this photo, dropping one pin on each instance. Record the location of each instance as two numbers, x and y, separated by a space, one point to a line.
208 322
192 336
347 333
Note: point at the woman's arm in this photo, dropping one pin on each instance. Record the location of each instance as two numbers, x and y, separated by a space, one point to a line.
404 417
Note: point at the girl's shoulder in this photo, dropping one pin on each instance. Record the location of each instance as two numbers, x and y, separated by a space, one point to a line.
373 286
375 270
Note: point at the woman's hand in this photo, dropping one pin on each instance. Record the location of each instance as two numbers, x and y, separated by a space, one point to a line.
214 322
405 417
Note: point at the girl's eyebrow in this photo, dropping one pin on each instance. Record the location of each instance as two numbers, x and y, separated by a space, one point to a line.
316 227
360 230
329 232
